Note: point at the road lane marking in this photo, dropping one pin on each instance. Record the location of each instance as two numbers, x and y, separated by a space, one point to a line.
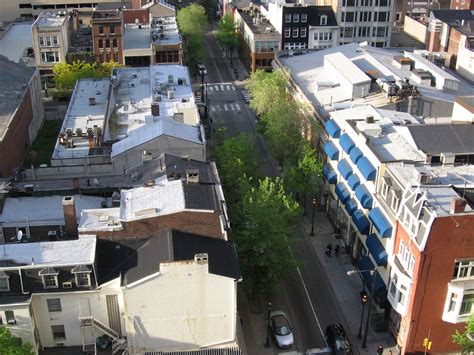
217 69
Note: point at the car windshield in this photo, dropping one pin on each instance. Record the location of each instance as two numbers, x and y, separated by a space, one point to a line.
283 330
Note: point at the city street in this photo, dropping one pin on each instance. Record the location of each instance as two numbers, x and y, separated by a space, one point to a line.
306 297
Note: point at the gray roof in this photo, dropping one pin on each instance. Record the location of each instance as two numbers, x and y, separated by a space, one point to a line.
200 197
176 166
453 17
315 13
14 79
434 139
136 259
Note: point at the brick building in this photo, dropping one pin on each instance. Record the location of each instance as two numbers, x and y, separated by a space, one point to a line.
107 33
21 113
462 4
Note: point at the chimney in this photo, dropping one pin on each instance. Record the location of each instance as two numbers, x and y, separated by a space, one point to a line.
201 259
192 176
458 205
70 220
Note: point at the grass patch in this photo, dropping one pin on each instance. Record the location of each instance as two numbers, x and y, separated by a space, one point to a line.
43 146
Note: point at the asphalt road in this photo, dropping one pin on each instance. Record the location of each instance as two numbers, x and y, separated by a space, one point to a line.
306 296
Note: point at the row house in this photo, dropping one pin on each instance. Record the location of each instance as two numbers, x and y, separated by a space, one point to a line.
107 35
397 198
302 26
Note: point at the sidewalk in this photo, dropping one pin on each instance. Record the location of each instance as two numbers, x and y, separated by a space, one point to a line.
345 287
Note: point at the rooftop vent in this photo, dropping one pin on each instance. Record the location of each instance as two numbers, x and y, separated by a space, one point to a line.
192 176
369 119
201 258
448 158
92 101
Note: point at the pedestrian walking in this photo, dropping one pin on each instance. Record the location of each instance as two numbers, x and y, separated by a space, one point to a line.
336 250
380 350
329 249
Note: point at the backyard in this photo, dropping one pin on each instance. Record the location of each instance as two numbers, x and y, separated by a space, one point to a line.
43 146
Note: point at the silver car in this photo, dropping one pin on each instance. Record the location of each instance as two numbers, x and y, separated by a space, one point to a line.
281 330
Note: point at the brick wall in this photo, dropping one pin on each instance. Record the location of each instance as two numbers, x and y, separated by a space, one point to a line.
206 224
107 37
14 146
143 16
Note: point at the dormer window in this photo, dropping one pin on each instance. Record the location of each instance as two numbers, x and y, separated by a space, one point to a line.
83 275
50 277
4 282
324 20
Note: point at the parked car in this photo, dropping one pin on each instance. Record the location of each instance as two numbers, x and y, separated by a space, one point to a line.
281 330
337 339
201 69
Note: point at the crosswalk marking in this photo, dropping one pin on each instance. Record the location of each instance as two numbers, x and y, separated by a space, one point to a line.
237 106
225 107
227 87
222 87
233 88
211 88
213 109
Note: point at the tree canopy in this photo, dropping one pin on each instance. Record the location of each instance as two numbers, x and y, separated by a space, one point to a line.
227 35
10 345
462 339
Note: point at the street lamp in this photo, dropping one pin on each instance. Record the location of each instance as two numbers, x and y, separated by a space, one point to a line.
269 309
372 291
312 218
363 298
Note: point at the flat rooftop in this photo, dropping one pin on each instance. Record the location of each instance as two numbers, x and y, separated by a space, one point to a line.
164 31
61 253
446 183
17 39
309 73
260 28
47 210
50 19
388 137
14 80
137 38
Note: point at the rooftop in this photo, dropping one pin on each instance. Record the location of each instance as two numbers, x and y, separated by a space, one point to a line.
18 38
126 99
446 182
143 258
50 19
61 253
321 87
32 211
453 17
262 27
388 135
136 37
164 31
14 80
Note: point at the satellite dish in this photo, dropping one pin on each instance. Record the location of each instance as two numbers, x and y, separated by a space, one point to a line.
19 235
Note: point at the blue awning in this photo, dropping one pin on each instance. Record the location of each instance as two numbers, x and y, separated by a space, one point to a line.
376 249
366 169
361 222
356 154
351 206
329 174
365 263
353 181
342 192
331 150
333 129
346 143
383 226
364 196
344 168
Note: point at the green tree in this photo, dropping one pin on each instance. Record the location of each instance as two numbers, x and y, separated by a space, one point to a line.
262 239
266 90
227 35
305 177
192 23
10 345
462 339
66 74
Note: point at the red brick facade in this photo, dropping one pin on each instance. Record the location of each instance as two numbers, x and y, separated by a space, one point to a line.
451 238
14 145
130 16
107 35
462 4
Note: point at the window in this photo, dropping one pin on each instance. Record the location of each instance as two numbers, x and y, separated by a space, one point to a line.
107 43
303 32
395 202
4 283
324 20
452 302
350 16
411 264
58 332
83 279
288 18
48 41
112 29
384 189
101 43
101 29
398 16
393 286
466 304
55 40
10 317
114 42
49 57
41 40
54 305
296 17
383 17
287 32
304 17
463 269
295 32
348 32
25 6
402 294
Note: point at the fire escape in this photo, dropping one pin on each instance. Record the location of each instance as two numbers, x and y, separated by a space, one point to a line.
88 326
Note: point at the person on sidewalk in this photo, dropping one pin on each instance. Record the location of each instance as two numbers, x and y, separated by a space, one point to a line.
336 250
329 249
380 350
